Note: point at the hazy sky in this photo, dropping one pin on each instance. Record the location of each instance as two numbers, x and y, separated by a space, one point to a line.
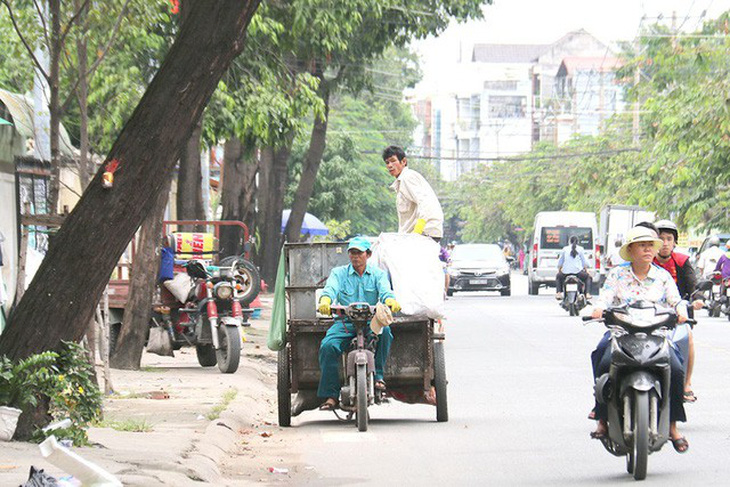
544 21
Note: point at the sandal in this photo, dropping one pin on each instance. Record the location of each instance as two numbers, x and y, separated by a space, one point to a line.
329 405
601 431
598 435
380 385
689 396
681 445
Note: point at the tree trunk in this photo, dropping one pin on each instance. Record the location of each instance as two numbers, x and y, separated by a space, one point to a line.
272 188
135 324
54 108
61 299
189 181
310 167
238 187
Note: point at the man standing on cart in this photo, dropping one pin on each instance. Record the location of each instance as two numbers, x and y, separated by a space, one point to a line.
419 210
356 282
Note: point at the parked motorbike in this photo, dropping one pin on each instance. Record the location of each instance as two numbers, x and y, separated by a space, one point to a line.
211 319
360 392
574 298
636 388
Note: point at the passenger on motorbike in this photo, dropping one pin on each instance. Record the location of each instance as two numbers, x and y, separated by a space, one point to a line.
683 273
723 265
572 261
353 283
639 280
710 257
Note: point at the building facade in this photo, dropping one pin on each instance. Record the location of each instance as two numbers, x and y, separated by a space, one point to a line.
508 97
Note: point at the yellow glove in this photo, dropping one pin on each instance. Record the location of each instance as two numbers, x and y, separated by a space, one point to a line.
324 305
420 225
392 304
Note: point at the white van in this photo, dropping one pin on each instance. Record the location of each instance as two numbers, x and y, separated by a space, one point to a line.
553 230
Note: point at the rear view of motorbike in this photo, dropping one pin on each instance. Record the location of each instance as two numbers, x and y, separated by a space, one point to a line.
574 298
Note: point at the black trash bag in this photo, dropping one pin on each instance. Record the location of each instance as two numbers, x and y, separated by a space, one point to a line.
38 478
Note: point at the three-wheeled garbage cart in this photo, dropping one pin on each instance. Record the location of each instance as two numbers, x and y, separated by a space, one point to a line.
415 371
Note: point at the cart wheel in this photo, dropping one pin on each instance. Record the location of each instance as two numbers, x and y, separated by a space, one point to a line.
362 398
283 387
206 355
439 373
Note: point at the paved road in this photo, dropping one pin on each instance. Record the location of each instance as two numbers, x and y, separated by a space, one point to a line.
519 392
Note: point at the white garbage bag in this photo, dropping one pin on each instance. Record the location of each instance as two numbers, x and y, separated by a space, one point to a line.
415 270
180 286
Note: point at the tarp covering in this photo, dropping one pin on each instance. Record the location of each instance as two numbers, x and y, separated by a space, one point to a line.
277 330
21 109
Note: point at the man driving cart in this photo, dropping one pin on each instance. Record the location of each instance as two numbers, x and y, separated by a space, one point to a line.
356 282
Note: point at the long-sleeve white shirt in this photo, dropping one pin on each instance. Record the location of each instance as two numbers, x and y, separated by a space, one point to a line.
415 200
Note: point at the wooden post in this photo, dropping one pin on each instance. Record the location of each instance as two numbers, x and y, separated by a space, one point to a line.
104 342
22 258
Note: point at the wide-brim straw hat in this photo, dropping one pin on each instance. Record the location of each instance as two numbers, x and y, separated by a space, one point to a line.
638 234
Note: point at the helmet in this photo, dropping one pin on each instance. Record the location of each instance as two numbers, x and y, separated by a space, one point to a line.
714 241
667 226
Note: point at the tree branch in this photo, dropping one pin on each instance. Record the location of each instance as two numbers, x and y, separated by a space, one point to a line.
25 43
71 22
43 22
109 43
99 59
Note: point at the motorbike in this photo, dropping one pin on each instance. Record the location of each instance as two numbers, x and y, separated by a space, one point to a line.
359 392
713 293
211 318
636 387
574 298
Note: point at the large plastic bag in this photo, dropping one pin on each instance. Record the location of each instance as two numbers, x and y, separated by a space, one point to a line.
416 273
180 286
277 330
160 342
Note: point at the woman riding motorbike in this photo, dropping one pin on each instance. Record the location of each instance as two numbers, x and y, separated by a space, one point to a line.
639 280
572 261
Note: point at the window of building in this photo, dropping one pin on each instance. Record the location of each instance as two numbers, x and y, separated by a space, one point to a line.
501 85
507 106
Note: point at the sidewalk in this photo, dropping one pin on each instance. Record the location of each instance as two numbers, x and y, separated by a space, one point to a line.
161 426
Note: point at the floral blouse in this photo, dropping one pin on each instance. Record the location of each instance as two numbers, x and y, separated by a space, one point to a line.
623 287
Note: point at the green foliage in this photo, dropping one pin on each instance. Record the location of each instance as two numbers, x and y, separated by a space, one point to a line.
76 395
142 42
65 378
16 68
338 231
21 383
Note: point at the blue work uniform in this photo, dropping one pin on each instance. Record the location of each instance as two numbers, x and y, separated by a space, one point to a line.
345 286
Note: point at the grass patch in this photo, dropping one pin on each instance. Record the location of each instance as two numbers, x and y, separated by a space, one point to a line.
131 425
226 399
149 368
131 395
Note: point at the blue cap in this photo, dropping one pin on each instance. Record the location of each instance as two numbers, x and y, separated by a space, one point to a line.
360 243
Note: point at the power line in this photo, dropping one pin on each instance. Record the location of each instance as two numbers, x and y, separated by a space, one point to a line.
523 158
